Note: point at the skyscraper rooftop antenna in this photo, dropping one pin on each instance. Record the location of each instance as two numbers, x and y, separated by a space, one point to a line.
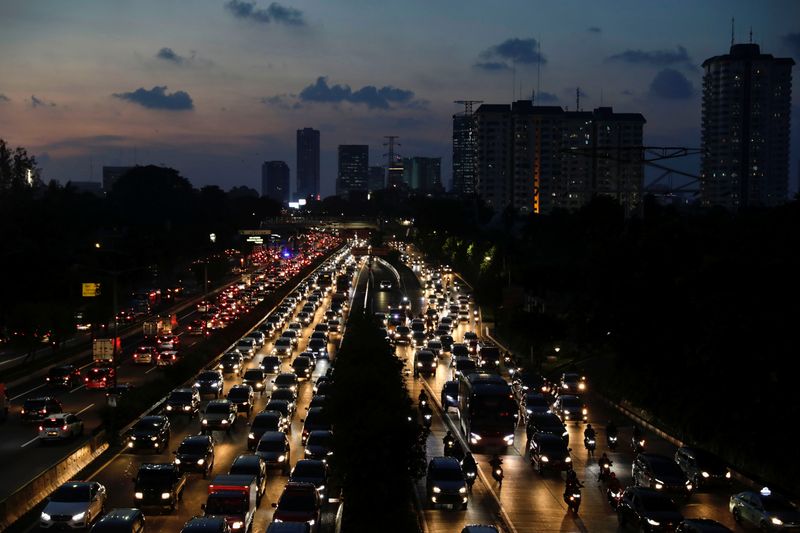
538 68
577 99
732 29
468 105
751 35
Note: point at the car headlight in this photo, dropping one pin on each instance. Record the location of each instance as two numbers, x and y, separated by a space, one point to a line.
545 459
130 445
419 364
224 421
776 521
205 422
462 490
169 408
653 522
566 411
568 459
728 474
45 516
187 407
659 485
509 439
474 438
311 522
689 486
78 517
133 437
165 495
251 436
197 384
282 458
308 452
177 460
436 490
237 525
153 438
585 411
582 386
201 461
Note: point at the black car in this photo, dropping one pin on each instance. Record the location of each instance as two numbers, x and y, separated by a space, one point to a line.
256 378
319 347
154 481
318 400
311 471
274 448
64 376
320 380
286 380
424 363
251 465
701 467
288 395
263 422
548 452
271 364
121 521
284 407
206 524
39 408
530 382
316 420
319 445
445 483
647 510
546 423
450 395
196 454
661 473
232 363
210 382
150 433
242 397
183 401
302 367
219 415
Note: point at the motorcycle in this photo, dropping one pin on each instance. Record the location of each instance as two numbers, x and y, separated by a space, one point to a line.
605 471
497 474
449 447
590 444
612 442
614 498
573 500
637 444
427 418
470 475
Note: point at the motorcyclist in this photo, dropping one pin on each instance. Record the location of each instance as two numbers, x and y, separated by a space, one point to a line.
611 429
572 484
613 484
589 433
637 433
497 464
422 399
470 468
605 466
449 442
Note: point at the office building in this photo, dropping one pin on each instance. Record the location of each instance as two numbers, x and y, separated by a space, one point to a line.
353 176
307 163
464 154
111 175
377 178
540 158
745 129
275 181
423 174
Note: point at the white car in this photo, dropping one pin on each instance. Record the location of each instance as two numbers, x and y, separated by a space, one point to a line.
60 426
247 347
74 505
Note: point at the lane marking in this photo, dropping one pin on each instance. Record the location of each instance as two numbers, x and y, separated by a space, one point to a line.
79 387
27 392
34 439
84 409
150 370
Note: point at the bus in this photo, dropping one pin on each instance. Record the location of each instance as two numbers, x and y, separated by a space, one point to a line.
487 411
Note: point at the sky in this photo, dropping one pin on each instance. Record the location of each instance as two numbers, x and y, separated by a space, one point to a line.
216 87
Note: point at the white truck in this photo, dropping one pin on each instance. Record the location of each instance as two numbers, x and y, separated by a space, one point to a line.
103 351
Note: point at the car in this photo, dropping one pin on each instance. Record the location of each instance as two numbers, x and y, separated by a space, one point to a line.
210 382
256 378
316 420
318 400
183 401
701 467
572 383
251 465
445 483
302 366
293 335
120 390
319 347
546 423
150 433
661 473
764 509
167 342
334 325
285 380
385 285
271 364
197 327
284 407
524 382
305 317
647 510
311 471
283 347
299 502
274 448
549 452
99 377
74 505
232 363
158 486
424 363
268 329
320 381
219 415
401 335
258 337
450 395
447 342
60 426
247 347
462 365
459 349
121 520
243 398
64 376
195 454
167 358
206 524
418 339
701 525
263 422
434 346
534 403
39 408
319 445
287 395
382 318
571 408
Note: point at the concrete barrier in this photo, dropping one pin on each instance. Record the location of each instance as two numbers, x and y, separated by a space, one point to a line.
36 490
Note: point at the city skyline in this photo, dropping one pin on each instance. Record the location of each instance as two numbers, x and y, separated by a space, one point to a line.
217 90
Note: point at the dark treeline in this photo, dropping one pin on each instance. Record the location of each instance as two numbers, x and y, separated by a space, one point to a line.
145 232
693 316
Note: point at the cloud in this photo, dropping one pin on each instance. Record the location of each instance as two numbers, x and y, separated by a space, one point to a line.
654 58
672 85
4 98
627 92
492 66
282 101
792 42
543 97
516 50
369 95
275 12
594 29
168 54
158 98
38 102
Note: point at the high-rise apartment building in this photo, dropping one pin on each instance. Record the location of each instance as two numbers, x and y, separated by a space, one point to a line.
745 128
353 177
464 153
307 163
540 158
423 174
377 178
275 180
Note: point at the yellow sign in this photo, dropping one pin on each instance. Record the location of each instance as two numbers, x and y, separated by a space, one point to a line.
90 290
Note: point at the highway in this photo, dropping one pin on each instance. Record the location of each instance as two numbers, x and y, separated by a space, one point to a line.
24 456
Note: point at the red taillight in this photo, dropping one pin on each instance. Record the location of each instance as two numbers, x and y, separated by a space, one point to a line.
64 427
87 379
41 428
